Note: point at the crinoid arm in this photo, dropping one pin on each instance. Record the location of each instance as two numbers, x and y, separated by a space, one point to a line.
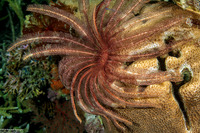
61 15
48 37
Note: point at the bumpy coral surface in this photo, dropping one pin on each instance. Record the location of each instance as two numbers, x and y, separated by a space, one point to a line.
180 102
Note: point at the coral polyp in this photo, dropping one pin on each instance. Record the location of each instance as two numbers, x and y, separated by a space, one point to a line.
110 36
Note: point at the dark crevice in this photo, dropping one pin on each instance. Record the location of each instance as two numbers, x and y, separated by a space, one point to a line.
196 23
169 40
142 88
162 65
128 63
186 74
179 99
175 53
176 89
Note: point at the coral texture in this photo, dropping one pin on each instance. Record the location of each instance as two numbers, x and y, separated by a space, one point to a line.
111 66
189 63
180 111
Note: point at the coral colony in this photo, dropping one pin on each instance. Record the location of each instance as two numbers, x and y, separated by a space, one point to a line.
109 37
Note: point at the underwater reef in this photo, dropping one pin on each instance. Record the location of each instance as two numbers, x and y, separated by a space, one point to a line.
102 66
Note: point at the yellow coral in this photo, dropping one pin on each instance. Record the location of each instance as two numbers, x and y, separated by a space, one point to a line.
180 102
